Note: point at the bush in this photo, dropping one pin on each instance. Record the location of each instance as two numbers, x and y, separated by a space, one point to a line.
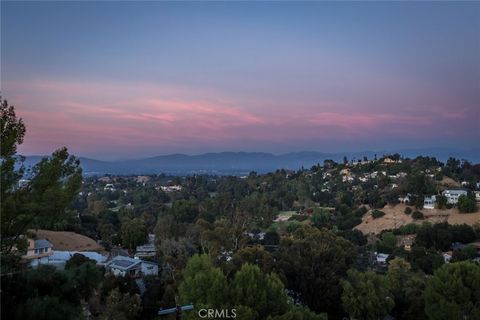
466 204
407 210
377 214
417 215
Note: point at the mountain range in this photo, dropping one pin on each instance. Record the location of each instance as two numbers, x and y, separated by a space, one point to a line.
239 163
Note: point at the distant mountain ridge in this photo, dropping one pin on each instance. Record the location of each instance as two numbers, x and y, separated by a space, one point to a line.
238 163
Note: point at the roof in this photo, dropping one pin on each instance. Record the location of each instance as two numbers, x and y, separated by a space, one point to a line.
42 243
455 191
123 263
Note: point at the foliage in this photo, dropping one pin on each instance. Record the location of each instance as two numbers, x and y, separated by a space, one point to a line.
466 204
133 233
313 261
121 306
262 293
387 243
417 215
203 284
377 214
408 210
366 295
454 292
299 313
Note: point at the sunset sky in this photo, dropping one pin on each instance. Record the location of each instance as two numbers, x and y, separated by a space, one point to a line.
115 80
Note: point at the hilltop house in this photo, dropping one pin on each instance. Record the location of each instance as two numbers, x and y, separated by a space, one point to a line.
429 202
135 268
453 195
405 199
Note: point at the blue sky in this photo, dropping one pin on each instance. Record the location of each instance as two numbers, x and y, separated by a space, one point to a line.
115 79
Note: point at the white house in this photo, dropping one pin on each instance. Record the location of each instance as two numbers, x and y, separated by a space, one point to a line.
453 195
109 187
405 199
477 196
135 268
381 258
429 202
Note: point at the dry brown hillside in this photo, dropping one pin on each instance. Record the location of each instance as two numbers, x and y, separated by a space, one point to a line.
69 241
395 217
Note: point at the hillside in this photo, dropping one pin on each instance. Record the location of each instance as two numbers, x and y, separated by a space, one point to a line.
68 241
395 217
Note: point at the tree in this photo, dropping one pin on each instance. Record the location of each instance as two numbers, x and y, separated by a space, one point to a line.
254 255
454 292
77 260
48 308
466 204
298 313
388 242
366 295
86 278
133 233
43 200
262 293
313 261
441 201
203 284
122 306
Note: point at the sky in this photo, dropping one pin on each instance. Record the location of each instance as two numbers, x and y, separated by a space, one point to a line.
117 80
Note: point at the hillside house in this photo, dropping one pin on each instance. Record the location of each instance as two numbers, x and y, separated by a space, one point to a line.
38 249
135 268
477 196
429 202
405 199
453 195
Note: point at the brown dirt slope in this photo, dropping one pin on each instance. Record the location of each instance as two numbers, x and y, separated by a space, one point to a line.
69 241
395 217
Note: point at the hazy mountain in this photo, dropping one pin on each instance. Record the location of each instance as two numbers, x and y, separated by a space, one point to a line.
244 162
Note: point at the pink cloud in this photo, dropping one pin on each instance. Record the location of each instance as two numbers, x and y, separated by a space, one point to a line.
90 116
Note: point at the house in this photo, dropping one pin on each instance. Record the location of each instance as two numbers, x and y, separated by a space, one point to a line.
171 188
38 249
429 202
388 160
135 268
381 258
477 196
149 268
146 250
453 195
109 187
405 199
447 256
406 241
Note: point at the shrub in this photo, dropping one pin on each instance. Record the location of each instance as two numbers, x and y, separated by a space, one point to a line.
417 215
407 210
377 214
